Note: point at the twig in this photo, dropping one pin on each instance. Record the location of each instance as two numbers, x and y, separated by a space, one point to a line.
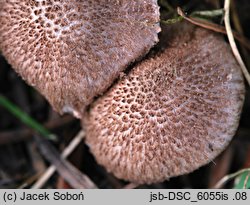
66 152
232 42
229 177
214 27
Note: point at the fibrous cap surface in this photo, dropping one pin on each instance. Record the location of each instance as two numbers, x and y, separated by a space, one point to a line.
72 50
173 113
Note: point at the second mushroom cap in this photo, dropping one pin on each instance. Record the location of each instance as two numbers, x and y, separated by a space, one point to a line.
173 113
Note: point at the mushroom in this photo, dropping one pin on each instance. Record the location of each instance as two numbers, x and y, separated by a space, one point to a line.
72 51
172 113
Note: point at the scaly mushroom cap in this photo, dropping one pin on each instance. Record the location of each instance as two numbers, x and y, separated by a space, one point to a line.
72 50
172 113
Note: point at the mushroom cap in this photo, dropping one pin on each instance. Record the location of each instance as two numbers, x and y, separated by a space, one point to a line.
173 112
71 50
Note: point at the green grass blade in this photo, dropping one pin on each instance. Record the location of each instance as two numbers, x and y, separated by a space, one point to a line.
25 118
243 181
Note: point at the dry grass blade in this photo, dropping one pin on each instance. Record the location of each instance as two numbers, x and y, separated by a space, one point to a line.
66 152
238 27
214 27
74 177
232 42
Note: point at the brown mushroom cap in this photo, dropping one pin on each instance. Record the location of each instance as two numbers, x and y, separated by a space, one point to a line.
72 50
173 113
